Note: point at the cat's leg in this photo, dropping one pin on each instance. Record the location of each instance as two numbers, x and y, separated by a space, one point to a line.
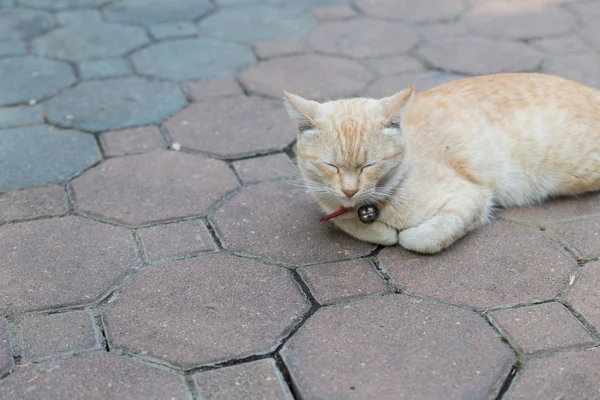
376 232
462 213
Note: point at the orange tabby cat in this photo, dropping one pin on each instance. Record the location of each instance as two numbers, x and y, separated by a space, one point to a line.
437 163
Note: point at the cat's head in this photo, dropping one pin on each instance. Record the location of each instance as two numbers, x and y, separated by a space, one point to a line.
351 152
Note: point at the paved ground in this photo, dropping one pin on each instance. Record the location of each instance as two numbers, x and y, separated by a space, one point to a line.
153 249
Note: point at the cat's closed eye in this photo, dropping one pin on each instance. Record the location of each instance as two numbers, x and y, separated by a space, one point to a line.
367 167
331 166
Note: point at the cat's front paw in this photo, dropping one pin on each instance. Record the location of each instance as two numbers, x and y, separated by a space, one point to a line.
421 240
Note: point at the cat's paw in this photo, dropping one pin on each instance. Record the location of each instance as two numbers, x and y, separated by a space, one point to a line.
421 239
388 238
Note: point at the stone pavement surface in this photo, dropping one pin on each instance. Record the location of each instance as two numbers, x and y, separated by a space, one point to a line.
153 245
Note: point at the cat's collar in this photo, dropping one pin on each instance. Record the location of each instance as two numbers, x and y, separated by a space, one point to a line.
342 210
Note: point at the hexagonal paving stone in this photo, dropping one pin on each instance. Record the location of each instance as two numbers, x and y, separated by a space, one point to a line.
97 376
23 24
475 55
263 168
115 104
62 4
388 85
313 76
231 127
281 222
561 376
558 210
6 360
240 23
590 32
584 295
194 312
40 155
33 202
495 265
197 59
59 262
583 236
23 79
396 347
423 10
578 67
518 19
96 40
151 187
148 12
363 38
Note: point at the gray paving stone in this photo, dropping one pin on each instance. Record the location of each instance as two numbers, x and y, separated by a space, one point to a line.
73 17
171 30
422 81
240 23
17 116
6 3
197 59
62 4
89 41
148 12
12 48
307 3
33 202
6 360
18 23
32 78
40 155
115 104
103 68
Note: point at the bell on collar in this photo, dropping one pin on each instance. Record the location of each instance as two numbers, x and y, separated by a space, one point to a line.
368 214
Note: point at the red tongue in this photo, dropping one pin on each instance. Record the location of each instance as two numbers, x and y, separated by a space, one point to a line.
339 212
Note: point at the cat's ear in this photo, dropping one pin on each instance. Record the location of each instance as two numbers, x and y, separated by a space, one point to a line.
301 111
395 106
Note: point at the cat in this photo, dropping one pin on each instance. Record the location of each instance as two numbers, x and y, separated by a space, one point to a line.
437 164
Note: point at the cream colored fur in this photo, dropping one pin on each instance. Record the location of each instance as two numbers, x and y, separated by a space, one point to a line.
437 163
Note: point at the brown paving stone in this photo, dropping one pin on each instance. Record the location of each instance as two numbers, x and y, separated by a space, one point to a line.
556 210
583 235
281 222
444 29
278 48
478 55
97 376
496 265
396 347
395 65
342 280
313 76
584 294
561 45
562 376
338 11
519 19
176 240
33 202
205 310
151 187
65 333
542 327
363 38
62 261
6 360
256 380
578 67
263 168
203 90
388 85
134 140
233 127
421 11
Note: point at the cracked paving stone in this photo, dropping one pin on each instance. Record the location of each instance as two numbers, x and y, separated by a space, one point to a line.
395 347
240 23
363 38
577 67
313 76
233 127
264 168
199 58
176 240
496 265
256 380
96 376
149 12
478 55
62 4
6 360
33 202
59 262
27 78
40 155
89 41
561 376
116 103
558 210
16 23
281 222
584 295
542 327
64 333
225 318
409 10
150 187
422 81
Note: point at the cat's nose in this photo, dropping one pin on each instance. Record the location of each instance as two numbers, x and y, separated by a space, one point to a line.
350 193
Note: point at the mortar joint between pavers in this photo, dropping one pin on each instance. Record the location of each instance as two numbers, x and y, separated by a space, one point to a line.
595 331
514 306
287 376
390 283
191 386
